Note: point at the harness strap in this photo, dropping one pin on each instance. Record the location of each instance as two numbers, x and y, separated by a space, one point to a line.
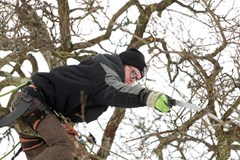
31 143
36 117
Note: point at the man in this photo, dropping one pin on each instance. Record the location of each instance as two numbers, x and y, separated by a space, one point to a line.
82 93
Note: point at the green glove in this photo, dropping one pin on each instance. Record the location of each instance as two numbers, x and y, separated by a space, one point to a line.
164 103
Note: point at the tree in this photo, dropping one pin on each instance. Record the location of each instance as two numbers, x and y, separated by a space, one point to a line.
191 46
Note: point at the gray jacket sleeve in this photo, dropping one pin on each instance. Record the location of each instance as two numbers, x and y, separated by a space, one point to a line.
116 93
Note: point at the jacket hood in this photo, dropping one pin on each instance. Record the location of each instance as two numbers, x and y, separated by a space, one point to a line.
113 61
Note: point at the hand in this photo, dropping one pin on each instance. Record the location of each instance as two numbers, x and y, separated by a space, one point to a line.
164 103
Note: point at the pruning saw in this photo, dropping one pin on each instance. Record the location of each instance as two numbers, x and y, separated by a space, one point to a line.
196 108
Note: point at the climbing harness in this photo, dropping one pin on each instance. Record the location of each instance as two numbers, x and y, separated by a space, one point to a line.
72 131
83 139
29 143
32 112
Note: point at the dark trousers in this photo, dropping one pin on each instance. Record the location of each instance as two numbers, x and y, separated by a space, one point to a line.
57 143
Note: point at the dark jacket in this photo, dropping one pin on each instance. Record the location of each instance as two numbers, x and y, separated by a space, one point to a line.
100 78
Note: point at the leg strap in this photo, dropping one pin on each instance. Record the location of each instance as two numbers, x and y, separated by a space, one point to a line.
36 116
29 142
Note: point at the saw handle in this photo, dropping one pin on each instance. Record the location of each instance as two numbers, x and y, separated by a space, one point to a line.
172 101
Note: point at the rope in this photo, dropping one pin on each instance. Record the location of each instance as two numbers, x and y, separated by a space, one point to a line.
15 89
9 151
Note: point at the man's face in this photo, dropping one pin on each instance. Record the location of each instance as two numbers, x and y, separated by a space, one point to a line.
132 74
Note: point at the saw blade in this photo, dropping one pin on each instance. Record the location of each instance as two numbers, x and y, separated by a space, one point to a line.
196 108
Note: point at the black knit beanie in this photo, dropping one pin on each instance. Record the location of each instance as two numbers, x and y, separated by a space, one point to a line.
135 58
